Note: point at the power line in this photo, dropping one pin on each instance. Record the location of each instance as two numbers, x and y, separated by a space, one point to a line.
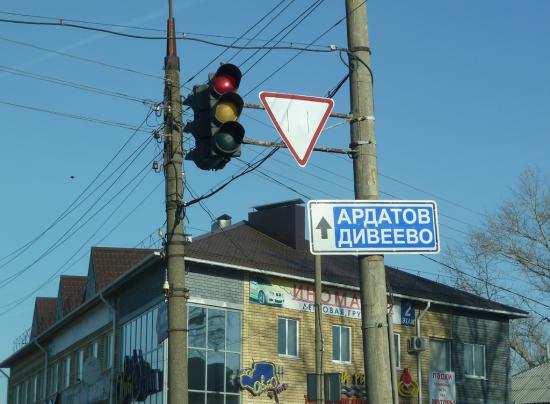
62 23
293 25
297 54
264 27
310 44
105 24
72 84
81 59
234 42
74 116
73 205
489 283
249 169
432 194
347 189
72 231
203 206
66 266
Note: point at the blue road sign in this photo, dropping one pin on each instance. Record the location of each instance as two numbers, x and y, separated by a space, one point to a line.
373 227
408 317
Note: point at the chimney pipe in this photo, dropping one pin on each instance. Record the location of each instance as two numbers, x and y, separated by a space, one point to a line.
221 222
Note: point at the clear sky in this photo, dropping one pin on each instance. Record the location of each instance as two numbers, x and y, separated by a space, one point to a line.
462 93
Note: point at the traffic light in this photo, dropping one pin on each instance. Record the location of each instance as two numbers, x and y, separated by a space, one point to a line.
217 107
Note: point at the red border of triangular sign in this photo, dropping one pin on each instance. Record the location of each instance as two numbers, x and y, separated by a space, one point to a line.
328 101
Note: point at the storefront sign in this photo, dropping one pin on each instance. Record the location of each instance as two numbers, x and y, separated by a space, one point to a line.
89 393
407 386
262 378
442 387
300 296
353 385
407 313
138 381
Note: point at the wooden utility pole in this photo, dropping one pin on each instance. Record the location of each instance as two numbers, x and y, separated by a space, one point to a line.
371 267
175 240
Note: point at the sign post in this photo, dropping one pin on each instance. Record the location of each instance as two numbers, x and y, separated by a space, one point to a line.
373 227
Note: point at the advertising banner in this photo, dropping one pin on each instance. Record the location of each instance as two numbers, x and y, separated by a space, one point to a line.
442 387
296 295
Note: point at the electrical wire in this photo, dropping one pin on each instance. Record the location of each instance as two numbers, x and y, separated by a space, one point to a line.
270 174
74 204
74 116
72 231
248 170
105 24
263 28
62 23
297 54
291 27
489 283
205 208
67 264
72 84
233 43
81 59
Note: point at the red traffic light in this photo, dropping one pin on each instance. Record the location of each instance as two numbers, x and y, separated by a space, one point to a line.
226 79
224 84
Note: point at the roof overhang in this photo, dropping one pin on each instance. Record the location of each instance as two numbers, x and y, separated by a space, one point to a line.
343 286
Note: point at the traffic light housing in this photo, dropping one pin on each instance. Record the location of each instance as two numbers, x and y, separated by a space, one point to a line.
217 107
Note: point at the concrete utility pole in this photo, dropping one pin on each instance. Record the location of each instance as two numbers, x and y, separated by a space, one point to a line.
372 271
318 332
175 240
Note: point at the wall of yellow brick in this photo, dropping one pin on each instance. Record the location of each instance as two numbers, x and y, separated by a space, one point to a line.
434 324
260 344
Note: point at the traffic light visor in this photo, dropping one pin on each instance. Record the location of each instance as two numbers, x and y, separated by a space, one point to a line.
227 79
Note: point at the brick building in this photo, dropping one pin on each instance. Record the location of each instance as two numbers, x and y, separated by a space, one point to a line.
251 314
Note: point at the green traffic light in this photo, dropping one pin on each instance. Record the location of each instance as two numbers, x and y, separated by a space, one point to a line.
228 139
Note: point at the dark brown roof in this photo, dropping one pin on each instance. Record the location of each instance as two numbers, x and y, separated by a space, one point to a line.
240 244
44 314
109 263
72 292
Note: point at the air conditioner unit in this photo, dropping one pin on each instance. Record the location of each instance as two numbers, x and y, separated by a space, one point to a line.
417 344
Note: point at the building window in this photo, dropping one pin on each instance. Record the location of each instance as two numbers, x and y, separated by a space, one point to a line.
25 393
109 351
287 343
94 349
34 388
397 349
214 354
474 360
79 365
440 355
67 372
139 344
53 385
17 394
341 344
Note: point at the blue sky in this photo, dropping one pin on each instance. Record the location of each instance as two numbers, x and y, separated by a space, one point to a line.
462 92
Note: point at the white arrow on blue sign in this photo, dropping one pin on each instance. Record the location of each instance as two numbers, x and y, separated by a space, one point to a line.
373 227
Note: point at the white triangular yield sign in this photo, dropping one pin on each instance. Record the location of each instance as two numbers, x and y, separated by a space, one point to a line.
299 119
